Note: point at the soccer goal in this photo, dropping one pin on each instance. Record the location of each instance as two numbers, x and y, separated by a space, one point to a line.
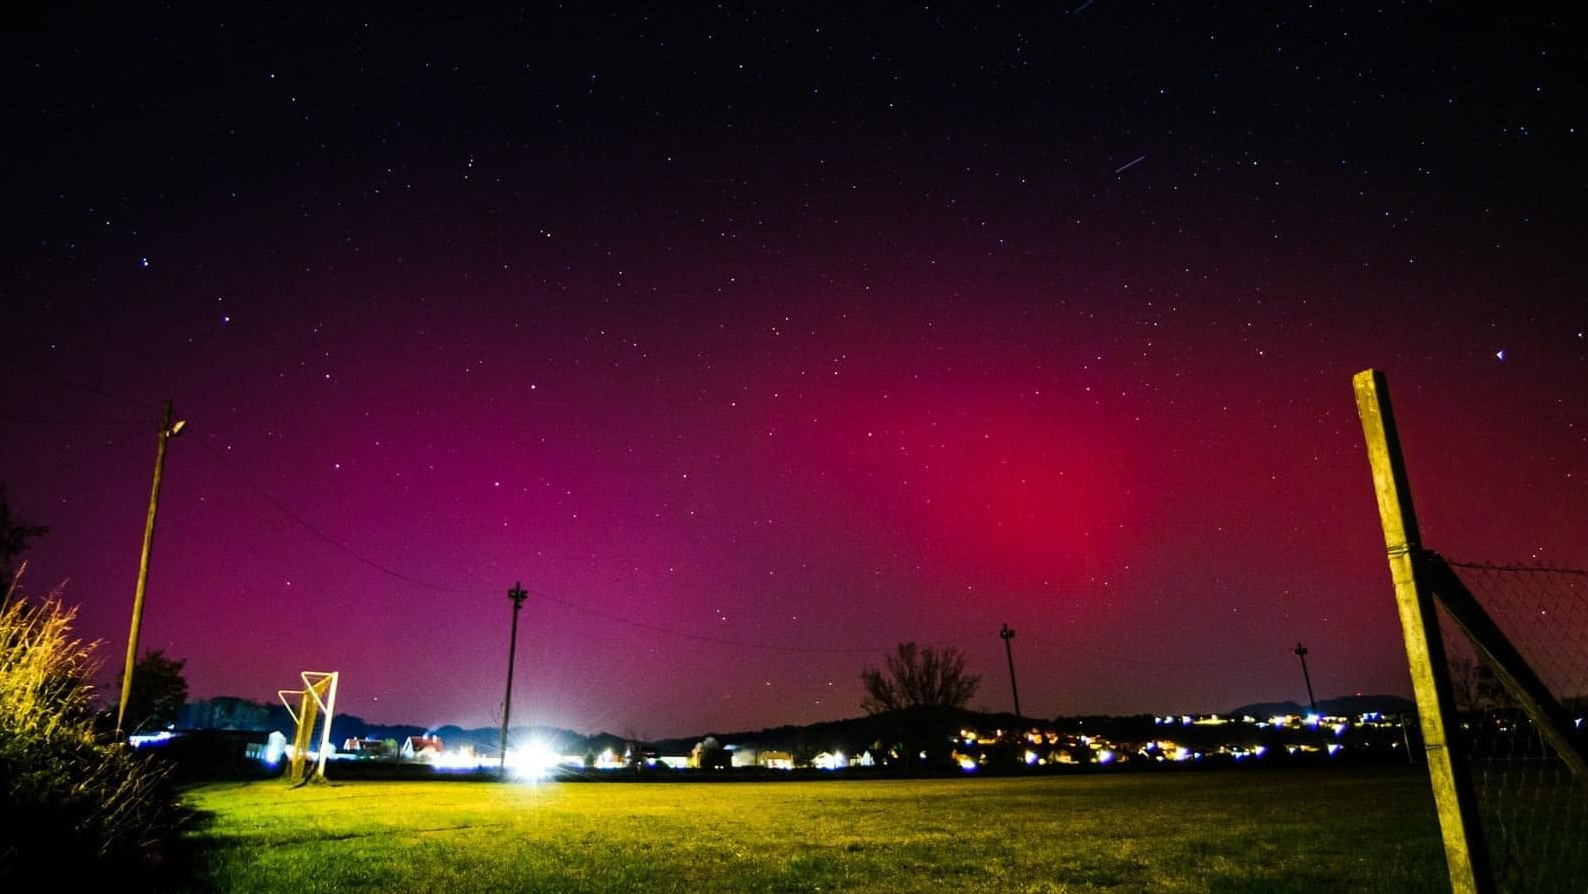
317 697
1498 655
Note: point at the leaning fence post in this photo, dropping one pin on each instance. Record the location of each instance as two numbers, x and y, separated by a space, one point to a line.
1465 853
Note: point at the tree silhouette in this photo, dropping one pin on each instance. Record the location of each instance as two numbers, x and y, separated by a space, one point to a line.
916 677
14 537
158 692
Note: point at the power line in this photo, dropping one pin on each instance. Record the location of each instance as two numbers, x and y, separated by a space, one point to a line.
539 594
304 523
1147 662
1235 662
87 423
699 637
72 464
76 384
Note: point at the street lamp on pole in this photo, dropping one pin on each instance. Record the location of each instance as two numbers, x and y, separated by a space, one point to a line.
169 428
518 595
1301 652
1006 634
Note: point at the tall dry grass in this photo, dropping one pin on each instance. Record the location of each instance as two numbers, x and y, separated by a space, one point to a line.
72 803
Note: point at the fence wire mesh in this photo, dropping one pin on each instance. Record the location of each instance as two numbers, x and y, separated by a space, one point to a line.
1534 809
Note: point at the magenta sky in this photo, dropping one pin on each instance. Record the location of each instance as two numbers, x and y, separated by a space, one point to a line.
751 372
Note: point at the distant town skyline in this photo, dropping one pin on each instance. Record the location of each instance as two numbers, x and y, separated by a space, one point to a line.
754 343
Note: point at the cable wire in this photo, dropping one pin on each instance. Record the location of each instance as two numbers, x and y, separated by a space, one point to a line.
76 384
1104 656
87 423
557 600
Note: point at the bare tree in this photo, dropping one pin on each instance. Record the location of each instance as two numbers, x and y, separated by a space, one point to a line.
14 536
916 677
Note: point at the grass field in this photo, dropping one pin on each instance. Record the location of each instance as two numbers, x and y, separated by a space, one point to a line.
1244 831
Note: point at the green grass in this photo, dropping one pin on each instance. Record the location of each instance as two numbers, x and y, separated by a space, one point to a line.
1252 831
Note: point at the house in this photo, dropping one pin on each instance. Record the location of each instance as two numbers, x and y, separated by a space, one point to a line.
830 760
421 748
776 760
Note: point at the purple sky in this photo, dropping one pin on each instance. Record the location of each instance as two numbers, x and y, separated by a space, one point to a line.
754 345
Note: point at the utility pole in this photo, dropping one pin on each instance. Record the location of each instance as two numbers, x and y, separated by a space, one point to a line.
517 594
1301 652
1006 634
168 430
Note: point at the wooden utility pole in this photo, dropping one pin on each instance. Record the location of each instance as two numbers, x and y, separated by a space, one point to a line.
168 430
1006 634
1301 652
517 594
1466 856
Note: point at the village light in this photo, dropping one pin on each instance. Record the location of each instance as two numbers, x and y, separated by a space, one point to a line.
533 762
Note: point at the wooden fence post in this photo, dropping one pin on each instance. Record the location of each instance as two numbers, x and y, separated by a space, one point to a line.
1466 855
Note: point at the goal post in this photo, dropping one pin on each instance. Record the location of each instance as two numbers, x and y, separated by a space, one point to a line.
317 696
1506 758
1466 854
1510 668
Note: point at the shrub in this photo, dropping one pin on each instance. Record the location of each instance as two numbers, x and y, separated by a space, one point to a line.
72 806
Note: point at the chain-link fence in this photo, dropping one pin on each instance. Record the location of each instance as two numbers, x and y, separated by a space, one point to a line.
1534 808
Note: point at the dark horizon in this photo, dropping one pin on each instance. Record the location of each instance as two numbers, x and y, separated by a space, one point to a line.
755 343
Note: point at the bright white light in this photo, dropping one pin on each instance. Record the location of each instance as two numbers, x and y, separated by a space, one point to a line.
1031 757
533 761
140 741
1105 756
967 763
460 760
830 761
275 750
1334 748
1311 720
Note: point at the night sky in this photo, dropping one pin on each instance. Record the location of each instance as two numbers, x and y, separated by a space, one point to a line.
754 342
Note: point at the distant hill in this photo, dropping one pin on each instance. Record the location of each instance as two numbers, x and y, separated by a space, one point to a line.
1345 705
851 735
